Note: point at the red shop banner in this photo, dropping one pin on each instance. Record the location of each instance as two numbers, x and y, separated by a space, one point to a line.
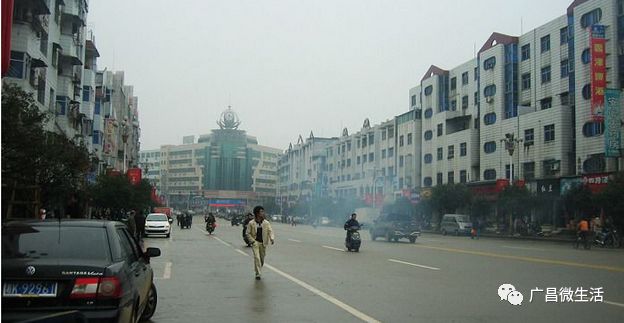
596 182
134 175
598 71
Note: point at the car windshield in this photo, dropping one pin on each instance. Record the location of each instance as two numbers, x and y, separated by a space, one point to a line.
52 242
156 217
462 218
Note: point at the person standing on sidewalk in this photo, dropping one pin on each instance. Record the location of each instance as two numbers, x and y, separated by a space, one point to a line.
260 233
140 225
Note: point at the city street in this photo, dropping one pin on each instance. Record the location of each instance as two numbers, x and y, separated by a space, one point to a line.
309 278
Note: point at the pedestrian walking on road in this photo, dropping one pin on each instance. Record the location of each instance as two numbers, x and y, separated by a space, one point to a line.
140 224
260 233
131 223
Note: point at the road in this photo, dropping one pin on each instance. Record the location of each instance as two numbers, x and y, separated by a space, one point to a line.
308 277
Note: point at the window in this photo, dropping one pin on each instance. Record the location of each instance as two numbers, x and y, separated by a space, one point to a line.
591 18
463 178
413 100
97 108
463 151
401 141
86 93
364 159
96 137
383 154
391 171
526 52
440 128
61 105
526 81
383 135
451 152
451 177
476 98
364 142
489 90
349 162
586 56
371 157
489 63
429 90
390 133
528 169
507 174
489 118
439 179
427 181
565 98
464 102
357 140
409 138
428 158
564 68
390 152
440 153
453 83
563 35
549 133
591 129
546 74
464 78
127 251
586 91
428 135
371 139
349 146
528 137
428 113
401 161
359 160
595 164
17 65
546 103
489 147
545 43
489 174
453 105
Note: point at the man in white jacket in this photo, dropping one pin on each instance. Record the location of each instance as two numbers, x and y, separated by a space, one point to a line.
259 231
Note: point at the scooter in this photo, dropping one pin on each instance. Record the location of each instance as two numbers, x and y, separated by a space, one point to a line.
210 227
353 243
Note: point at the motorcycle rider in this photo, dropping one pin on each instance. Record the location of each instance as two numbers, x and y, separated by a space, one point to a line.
210 220
352 222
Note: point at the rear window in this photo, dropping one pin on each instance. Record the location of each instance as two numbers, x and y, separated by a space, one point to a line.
38 242
156 217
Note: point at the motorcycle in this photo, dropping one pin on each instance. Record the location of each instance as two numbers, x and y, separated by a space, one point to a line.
607 238
210 227
353 240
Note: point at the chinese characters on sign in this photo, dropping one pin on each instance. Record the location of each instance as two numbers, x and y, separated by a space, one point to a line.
569 295
598 71
613 132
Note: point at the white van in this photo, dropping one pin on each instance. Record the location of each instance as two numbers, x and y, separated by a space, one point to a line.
456 224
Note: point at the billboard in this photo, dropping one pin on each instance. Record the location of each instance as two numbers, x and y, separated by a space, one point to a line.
598 71
613 129
134 175
109 138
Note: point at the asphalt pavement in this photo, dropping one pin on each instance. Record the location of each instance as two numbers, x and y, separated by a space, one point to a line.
308 277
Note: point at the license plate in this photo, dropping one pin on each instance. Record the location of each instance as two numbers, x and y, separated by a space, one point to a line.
29 289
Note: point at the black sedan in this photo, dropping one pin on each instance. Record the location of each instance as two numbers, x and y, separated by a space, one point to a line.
91 266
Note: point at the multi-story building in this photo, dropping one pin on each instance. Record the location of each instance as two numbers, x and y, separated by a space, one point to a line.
149 162
181 172
52 57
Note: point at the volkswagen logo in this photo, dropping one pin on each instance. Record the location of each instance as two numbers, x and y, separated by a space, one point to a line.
30 270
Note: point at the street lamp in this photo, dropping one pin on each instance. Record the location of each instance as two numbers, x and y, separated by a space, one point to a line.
510 146
124 138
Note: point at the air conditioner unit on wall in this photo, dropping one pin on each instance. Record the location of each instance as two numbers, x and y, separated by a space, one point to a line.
554 167
489 99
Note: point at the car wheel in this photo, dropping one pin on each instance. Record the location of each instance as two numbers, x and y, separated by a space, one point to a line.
150 306
412 239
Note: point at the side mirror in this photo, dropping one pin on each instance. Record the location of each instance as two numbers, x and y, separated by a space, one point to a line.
152 252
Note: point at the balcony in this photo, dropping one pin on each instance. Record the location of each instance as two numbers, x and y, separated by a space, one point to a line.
74 11
72 51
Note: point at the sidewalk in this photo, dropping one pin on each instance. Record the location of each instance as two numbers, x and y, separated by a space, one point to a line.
555 238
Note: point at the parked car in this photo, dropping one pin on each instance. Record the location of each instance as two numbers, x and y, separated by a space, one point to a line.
395 226
456 224
91 266
157 223
276 218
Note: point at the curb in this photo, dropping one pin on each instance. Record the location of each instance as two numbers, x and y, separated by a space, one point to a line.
508 237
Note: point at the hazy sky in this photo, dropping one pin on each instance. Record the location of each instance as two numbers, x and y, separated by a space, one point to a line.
288 67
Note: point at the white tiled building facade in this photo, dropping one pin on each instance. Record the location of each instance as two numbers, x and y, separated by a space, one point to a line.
53 57
535 87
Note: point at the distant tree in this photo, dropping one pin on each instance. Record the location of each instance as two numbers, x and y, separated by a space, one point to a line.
579 201
480 207
402 205
117 193
514 201
612 199
448 198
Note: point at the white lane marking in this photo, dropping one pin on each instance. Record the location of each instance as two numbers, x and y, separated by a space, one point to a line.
293 240
411 264
332 248
324 295
242 252
524 248
167 273
223 242
614 303
429 240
